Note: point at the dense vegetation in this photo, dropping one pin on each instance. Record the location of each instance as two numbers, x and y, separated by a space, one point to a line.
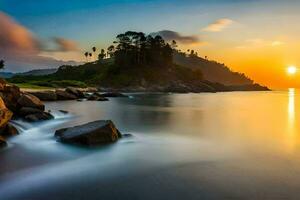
136 59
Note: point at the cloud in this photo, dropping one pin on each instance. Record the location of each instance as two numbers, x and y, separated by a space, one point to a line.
65 44
259 43
172 35
277 43
15 38
21 49
218 25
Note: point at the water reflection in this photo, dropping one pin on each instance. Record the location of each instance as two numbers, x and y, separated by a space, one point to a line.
291 106
291 133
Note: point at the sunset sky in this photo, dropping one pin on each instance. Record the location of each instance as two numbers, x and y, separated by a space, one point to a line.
257 37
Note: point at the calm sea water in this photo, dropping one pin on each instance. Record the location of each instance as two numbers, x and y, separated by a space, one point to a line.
239 145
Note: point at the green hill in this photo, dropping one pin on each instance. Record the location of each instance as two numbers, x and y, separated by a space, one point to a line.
140 62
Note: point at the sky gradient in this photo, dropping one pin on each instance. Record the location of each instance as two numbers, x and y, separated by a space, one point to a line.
257 37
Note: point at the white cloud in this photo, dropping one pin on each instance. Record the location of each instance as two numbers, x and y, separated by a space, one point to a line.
218 25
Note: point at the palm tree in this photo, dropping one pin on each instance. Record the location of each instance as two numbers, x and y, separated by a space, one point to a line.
94 50
1 64
86 54
110 50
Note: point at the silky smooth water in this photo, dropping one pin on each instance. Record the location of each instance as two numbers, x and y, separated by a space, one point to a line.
235 145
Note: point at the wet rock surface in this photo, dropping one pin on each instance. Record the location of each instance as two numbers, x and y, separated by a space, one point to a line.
90 134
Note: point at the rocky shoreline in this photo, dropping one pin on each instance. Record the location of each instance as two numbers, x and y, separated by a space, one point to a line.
28 105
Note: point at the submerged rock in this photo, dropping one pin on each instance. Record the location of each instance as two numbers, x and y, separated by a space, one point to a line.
63 95
45 95
93 133
38 117
29 100
113 94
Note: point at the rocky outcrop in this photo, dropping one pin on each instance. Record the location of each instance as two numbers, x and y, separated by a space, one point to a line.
31 101
90 134
64 95
5 114
75 92
45 95
96 97
10 95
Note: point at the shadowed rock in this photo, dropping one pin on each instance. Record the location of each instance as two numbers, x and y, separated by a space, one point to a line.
5 114
63 95
10 95
90 134
3 143
45 95
75 92
28 110
38 117
29 100
9 131
97 97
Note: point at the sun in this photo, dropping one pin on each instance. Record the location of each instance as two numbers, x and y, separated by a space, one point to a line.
291 70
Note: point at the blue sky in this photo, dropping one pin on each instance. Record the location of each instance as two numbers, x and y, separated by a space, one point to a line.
94 19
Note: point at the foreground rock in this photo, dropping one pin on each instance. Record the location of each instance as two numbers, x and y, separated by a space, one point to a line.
45 95
5 115
90 134
10 95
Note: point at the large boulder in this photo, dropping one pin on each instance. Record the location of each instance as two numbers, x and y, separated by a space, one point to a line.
75 92
29 100
45 95
38 117
90 134
10 95
63 95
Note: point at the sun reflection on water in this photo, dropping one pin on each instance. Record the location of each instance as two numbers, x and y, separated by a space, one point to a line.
291 106
291 132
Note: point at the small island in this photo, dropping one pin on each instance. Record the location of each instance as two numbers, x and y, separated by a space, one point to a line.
142 63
